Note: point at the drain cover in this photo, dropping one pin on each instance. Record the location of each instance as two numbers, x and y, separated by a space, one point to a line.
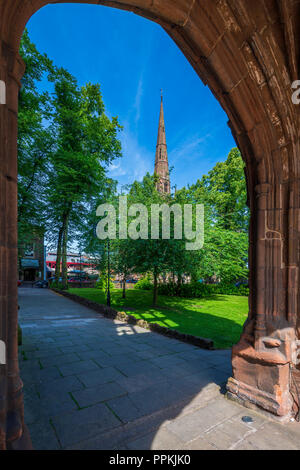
247 419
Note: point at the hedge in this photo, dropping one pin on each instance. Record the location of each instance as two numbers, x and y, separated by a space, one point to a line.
197 290
194 290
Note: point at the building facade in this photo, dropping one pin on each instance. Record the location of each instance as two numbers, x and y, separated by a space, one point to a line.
32 260
75 262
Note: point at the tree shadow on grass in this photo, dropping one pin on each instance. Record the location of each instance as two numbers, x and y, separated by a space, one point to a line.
223 332
224 327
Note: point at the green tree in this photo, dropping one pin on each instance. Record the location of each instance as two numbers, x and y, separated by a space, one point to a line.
122 260
158 257
35 142
224 255
224 195
86 142
87 227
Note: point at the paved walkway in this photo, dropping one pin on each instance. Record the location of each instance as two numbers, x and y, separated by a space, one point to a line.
93 383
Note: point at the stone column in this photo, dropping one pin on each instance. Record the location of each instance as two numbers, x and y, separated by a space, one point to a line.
265 358
13 433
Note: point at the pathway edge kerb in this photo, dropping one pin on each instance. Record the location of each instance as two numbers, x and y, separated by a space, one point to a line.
108 312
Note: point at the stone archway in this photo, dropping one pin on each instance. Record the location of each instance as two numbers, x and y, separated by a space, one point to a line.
248 53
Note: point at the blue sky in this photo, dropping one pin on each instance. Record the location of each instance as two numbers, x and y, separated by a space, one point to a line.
133 58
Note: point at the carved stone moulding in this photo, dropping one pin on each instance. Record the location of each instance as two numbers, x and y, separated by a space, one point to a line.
262 374
278 405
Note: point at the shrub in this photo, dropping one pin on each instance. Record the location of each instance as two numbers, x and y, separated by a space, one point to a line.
59 285
102 284
144 284
231 289
196 289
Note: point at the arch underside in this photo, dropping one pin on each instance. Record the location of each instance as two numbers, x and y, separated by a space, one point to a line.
247 52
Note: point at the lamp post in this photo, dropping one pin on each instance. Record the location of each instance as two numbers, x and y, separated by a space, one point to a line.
80 269
102 251
45 263
108 274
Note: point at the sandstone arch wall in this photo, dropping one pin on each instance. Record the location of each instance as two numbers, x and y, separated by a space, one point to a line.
248 53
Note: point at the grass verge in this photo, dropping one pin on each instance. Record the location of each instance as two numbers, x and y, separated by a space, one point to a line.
220 317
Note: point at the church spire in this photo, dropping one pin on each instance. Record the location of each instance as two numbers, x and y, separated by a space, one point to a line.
161 156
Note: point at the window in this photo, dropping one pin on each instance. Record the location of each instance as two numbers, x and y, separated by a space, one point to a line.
29 250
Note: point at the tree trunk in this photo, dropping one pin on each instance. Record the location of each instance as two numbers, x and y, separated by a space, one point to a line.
179 283
64 251
155 288
58 254
124 287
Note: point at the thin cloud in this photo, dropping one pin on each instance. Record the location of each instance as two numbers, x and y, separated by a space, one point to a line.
136 160
138 99
116 170
137 102
189 148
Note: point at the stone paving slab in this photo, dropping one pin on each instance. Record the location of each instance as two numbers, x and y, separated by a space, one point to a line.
94 383
74 368
270 437
39 375
141 381
44 436
99 394
94 378
59 359
50 406
78 425
58 388
159 440
203 420
125 408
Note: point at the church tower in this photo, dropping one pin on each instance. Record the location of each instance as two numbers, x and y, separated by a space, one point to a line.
161 156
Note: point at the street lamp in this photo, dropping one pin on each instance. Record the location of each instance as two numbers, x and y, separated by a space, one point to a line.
108 274
102 251
80 269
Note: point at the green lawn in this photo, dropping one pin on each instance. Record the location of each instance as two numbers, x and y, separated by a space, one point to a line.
219 318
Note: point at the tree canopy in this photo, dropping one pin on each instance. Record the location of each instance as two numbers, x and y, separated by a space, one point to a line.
66 143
